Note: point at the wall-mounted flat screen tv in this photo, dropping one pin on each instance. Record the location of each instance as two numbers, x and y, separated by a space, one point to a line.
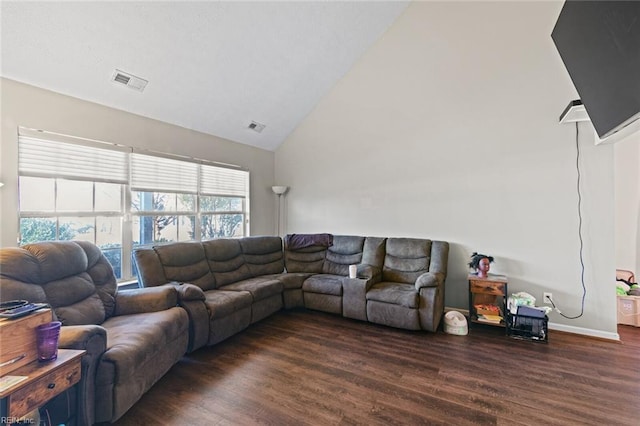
599 42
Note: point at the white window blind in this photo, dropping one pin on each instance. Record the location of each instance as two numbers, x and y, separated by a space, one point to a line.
38 157
223 181
151 173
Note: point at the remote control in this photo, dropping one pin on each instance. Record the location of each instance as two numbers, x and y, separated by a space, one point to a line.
12 304
22 310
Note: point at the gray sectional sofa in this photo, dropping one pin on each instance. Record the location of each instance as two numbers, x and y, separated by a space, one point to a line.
224 284
227 284
200 293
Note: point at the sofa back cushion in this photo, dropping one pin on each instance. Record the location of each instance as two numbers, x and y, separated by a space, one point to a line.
263 255
73 277
226 261
307 259
346 250
439 257
186 263
406 259
20 276
149 269
374 251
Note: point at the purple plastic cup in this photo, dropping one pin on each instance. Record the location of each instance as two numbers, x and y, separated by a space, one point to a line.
47 340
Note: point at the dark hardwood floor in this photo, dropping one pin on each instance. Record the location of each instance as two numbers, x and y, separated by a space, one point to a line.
310 368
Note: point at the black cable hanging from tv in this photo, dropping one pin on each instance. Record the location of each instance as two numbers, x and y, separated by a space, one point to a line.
584 288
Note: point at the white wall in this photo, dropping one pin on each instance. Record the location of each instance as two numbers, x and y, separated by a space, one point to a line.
627 202
28 106
447 128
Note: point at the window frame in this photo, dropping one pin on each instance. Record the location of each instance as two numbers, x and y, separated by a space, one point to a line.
127 211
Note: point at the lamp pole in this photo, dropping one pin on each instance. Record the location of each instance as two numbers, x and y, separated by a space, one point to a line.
279 191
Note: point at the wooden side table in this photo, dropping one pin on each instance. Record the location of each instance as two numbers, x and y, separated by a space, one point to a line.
491 290
44 381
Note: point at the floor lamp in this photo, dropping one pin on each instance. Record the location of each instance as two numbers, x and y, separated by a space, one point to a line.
279 191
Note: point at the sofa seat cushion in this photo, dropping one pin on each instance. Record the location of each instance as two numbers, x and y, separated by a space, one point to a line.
221 303
133 341
394 293
291 280
324 284
259 287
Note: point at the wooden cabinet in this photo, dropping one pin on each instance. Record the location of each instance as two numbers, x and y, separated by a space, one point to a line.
18 340
44 380
490 291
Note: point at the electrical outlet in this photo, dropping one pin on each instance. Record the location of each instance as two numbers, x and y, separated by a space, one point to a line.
546 298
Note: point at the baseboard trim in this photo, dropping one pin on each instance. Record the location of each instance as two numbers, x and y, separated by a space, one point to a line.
584 331
562 327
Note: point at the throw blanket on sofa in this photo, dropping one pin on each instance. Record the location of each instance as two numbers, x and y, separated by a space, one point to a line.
298 241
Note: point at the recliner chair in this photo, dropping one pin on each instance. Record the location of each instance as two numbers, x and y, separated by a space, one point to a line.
410 293
132 337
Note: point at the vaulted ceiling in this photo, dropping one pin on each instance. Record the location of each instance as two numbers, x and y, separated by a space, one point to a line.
213 67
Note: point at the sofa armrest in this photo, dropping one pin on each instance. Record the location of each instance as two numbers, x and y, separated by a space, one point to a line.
429 279
187 291
192 299
87 337
93 339
354 291
430 285
354 297
369 272
190 292
151 299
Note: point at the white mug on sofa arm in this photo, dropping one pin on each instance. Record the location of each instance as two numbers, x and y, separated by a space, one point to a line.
353 271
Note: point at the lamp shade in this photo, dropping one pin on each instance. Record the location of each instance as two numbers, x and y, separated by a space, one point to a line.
279 190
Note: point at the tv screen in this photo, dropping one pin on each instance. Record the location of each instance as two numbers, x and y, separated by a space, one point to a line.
599 43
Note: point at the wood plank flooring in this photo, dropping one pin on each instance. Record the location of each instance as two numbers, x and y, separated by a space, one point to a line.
309 368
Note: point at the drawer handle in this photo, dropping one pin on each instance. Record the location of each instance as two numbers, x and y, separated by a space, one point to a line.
51 385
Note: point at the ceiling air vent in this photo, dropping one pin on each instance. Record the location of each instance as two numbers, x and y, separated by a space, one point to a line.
257 127
129 80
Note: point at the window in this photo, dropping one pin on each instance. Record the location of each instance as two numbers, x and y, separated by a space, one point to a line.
69 191
118 199
163 199
222 202
86 216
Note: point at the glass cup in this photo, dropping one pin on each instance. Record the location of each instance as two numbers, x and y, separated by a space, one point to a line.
47 340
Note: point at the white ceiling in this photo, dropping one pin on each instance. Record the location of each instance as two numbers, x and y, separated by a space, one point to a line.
212 66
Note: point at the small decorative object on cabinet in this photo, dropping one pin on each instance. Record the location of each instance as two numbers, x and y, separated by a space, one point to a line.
481 263
487 300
